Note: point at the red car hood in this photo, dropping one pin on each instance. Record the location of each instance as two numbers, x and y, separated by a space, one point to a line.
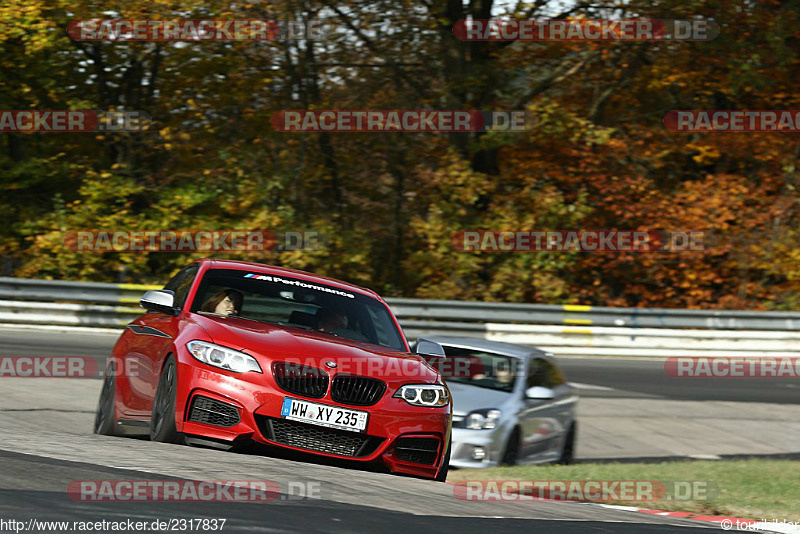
270 343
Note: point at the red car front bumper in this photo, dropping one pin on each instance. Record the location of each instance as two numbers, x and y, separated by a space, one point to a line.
258 400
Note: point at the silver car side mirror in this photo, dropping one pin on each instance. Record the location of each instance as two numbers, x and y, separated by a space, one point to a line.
159 300
426 347
540 393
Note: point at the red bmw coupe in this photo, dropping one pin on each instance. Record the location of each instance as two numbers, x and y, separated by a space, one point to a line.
237 352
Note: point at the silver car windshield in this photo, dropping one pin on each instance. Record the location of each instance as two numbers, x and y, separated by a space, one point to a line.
478 368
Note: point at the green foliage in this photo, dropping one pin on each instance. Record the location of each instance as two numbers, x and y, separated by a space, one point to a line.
598 157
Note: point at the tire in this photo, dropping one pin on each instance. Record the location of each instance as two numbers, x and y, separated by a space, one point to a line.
105 419
568 452
511 454
162 418
441 476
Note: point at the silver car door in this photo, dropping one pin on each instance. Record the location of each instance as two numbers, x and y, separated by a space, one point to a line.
537 416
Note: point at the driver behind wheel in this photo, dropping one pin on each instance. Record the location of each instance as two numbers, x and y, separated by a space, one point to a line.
226 302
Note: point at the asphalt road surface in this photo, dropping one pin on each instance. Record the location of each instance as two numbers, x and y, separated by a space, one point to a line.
33 488
635 378
47 444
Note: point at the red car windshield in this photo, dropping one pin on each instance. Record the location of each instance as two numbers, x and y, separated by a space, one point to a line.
294 303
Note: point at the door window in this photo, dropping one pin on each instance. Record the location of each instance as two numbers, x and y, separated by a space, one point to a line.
180 284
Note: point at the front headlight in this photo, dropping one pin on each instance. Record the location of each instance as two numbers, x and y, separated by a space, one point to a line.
482 419
430 395
223 357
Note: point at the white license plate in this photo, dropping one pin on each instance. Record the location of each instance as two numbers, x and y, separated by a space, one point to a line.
324 415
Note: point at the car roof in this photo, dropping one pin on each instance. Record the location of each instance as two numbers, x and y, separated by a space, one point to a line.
274 269
477 343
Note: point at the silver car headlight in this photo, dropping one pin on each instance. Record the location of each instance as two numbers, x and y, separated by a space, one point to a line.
482 419
223 357
430 395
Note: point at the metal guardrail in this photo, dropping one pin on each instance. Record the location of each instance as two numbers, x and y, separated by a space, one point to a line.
569 314
26 289
23 289
564 329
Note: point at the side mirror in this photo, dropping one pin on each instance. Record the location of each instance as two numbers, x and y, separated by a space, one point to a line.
426 347
540 393
159 300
